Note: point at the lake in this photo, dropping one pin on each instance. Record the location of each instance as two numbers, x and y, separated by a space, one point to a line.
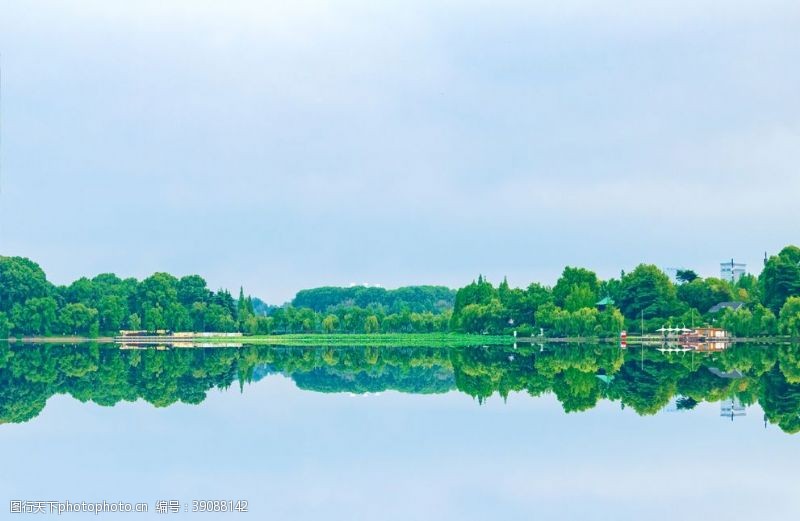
513 433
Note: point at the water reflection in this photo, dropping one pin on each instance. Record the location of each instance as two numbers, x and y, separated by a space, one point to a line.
647 380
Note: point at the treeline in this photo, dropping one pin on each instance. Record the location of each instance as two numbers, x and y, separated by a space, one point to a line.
105 304
353 319
360 309
580 304
31 305
646 381
412 299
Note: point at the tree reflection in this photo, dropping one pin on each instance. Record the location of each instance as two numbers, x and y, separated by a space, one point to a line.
579 376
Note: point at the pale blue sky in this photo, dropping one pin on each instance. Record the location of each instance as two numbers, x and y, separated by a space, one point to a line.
283 145
300 455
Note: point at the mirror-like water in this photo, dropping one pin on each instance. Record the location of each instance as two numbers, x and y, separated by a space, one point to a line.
545 432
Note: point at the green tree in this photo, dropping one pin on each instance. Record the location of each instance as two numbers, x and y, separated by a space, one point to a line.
780 278
764 321
478 292
5 326
789 318
747 289
330 323
191 289
158 290
264 325
198 314
177 318
647 290
82 290
739 323
242 311
609 288
154 318
250 325
112 310
504 293
219 319
611 321
224 298
484 318
135 322
572 278
546 315
371 324
702 294
576 390
583 322
412 298
472 318
78 319
535 295
20 280
554 320
305 321
36 317
580 296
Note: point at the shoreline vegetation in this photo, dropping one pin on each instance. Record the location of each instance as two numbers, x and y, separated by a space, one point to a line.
579 307
311 340
579 376
376 340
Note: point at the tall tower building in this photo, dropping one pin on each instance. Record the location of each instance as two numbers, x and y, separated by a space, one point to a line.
732 271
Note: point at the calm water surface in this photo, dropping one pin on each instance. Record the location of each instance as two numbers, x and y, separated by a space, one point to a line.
537 432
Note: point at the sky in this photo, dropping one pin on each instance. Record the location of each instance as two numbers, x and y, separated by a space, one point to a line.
286 145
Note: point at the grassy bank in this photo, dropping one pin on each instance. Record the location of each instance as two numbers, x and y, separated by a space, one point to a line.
382 340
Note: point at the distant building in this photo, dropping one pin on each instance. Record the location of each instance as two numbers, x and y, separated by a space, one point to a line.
709 333
733 306
731 408
709 346
705 339
732 271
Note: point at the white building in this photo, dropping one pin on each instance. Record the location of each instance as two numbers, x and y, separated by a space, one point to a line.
731 408
732 271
